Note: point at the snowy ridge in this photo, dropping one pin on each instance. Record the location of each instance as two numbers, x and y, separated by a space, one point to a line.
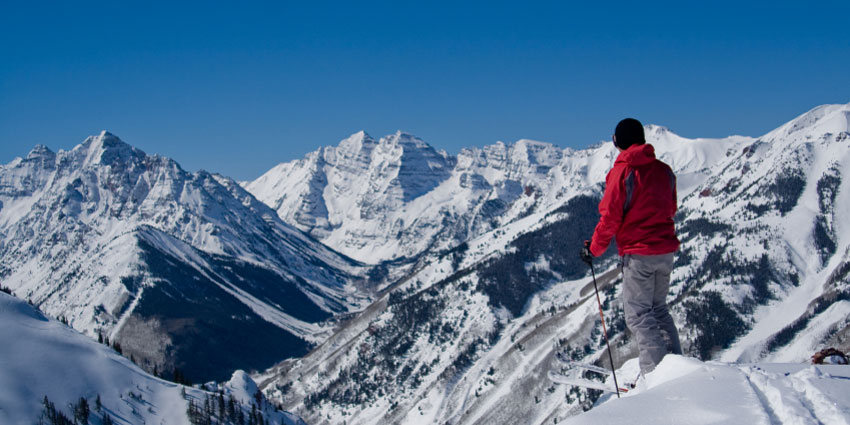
48 359
360 197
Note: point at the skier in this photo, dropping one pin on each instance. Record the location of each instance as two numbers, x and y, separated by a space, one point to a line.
637 209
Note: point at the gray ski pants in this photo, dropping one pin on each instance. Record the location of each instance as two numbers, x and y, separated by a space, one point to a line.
646 280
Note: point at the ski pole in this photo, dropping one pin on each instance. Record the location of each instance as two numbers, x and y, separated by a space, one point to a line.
604 330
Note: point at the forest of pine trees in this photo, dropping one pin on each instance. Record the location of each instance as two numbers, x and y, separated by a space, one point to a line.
216 409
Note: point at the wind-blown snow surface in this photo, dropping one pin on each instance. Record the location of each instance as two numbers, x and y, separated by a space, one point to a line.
762 276
42 357
688 391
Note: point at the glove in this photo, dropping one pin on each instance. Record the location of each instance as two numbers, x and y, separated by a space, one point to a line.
586 255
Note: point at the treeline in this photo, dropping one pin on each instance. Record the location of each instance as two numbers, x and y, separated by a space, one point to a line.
81 412
176 375
218 410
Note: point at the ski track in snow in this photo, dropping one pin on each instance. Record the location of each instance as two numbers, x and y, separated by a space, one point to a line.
686 391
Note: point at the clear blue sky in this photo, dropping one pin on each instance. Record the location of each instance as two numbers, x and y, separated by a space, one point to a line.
237 87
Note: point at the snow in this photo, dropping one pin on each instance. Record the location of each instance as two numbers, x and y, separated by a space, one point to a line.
42 357
361 198
687 391
358 197
71 222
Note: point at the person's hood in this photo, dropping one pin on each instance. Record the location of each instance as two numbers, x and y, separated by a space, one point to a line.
637 155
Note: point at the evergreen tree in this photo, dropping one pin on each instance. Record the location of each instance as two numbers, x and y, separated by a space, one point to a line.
180 378
208 409
221 407
194 415
231 408
53 416
81 411
97 404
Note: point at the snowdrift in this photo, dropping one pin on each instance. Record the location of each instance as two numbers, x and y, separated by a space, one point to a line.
687 391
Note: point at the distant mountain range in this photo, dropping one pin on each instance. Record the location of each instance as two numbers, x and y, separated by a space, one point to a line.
407 285
398 197
468 335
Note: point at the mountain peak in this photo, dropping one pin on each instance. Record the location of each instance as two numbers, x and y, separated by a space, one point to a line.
362 134
656 129
359 145
106 148
820 120
533 143
41 151
406 140
403 136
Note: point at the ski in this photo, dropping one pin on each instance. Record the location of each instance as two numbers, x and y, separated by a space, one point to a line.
572 364
584 383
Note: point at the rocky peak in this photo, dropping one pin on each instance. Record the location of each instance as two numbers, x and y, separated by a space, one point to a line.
534 152
354 151
41 152
106 149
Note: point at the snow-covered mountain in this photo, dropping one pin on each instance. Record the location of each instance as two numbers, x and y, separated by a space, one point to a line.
174 264
468 336
169 264
398 197
46 363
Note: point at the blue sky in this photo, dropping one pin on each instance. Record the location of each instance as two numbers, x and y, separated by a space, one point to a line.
237 88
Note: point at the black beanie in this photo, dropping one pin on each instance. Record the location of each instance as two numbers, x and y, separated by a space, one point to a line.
629 132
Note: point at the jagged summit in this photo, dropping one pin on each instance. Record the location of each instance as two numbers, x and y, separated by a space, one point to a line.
106 148
41 151
383 200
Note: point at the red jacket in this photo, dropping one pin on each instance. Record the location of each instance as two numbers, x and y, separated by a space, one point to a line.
638 205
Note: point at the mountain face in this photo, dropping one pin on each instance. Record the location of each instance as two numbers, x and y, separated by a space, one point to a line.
468 336
397 198
169 264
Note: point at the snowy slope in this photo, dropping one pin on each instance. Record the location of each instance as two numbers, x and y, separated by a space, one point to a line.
131 246
44 358
769 219
471 327
687 391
